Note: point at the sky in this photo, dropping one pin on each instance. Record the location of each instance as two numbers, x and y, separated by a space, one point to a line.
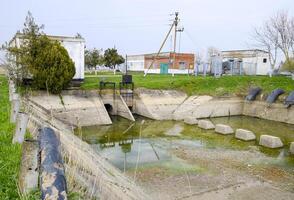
139 26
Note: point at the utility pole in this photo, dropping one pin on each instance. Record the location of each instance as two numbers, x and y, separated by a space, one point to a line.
176 22
174 25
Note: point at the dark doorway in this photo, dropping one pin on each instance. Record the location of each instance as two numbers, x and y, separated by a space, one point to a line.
108 107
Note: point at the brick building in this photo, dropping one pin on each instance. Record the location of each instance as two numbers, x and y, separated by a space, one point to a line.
163 64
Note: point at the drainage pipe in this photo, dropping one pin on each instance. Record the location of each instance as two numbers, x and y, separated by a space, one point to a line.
52 179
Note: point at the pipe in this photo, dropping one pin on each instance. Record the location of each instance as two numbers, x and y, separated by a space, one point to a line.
53 182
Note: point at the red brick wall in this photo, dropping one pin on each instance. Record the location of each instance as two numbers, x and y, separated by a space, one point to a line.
186 59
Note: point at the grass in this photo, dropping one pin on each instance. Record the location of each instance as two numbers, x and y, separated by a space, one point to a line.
10 155
226 85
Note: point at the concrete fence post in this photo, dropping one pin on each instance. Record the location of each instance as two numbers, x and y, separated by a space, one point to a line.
15 105
52 179
21 126
11 90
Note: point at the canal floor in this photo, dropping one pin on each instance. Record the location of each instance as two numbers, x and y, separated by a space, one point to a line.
173 160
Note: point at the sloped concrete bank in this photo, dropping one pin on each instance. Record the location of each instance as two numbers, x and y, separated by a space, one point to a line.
75 108
118 106
169 104
86 170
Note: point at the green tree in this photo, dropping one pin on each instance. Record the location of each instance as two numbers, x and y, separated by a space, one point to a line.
53 68
93 57
112 58
43 60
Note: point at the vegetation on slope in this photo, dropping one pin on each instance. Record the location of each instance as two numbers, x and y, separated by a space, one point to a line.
10 155
226 85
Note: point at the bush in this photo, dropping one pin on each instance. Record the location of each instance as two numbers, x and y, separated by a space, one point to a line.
289 66
53 69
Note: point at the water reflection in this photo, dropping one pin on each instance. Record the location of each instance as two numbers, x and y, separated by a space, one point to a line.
126 144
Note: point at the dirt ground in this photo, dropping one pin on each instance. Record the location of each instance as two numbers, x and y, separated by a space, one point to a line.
217 174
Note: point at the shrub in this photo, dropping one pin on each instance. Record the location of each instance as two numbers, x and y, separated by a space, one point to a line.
288 66
53 69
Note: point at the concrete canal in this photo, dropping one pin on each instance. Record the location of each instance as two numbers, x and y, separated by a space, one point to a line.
173 160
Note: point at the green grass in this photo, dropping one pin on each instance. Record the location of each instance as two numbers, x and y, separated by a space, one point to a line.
10 155
199 85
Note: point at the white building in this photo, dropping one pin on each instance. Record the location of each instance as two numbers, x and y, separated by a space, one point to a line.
254 61
136 62
74 46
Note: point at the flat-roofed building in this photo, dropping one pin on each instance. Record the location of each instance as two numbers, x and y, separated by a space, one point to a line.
163 63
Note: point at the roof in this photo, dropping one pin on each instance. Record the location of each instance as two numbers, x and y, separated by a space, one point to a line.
160 54
53 37
246 50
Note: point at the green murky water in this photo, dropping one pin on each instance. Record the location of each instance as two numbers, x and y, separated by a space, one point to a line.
146 142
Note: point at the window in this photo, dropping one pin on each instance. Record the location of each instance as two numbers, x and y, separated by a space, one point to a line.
264 60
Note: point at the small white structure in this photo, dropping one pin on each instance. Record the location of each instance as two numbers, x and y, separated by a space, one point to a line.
191 120
136 62
75 47
254 61
205 124
270 141
245 135
224 129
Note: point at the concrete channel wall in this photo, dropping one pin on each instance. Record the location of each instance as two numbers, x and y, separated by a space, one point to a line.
76 108
118 106
85 166
276 112
157 104
168 104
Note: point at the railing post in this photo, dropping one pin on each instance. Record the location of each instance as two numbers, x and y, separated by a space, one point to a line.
21 126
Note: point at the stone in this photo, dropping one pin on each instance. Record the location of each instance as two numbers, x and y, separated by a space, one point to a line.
292 148
245 135
223 129
206 124
270 141
191 120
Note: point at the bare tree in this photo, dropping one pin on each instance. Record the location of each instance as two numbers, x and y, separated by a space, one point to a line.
276 35
284 26
267 38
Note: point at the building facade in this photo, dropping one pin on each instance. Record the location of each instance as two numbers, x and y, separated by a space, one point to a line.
163 63
252 62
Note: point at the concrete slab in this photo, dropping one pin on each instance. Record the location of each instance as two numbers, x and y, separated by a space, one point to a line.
270 141
206 124
28 177
158 104
245 135
224 129
75 110
191 120
207 106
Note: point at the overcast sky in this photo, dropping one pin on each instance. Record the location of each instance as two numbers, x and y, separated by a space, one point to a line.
139 26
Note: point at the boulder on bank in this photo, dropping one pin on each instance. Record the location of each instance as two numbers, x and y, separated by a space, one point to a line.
223 129
191 120
245 135
292 148
206 124
270 141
